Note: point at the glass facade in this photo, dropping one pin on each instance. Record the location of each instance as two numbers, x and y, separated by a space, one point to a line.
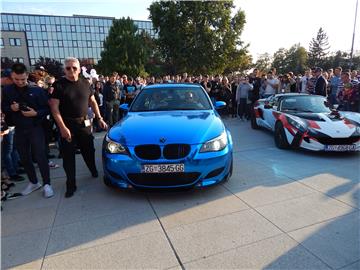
59 37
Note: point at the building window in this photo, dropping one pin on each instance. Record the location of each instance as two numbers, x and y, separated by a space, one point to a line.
45 43
1 43
87 29
60 43
101 29
74 43
58 28
11 26
15 41
27 27
88 43
73 28
30 43
101 44
18 59
43 27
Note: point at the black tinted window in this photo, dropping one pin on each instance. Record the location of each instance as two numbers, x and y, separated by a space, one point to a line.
168 99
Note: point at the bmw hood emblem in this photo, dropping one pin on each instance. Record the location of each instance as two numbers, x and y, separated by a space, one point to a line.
162 140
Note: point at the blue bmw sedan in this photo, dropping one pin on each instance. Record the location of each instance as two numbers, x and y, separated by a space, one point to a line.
171 137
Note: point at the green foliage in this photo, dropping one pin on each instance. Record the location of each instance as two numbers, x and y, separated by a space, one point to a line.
125 49
263 63
52 66
293 59
318 49
199 36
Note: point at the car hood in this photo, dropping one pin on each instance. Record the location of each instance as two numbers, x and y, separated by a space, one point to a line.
190 127
334 125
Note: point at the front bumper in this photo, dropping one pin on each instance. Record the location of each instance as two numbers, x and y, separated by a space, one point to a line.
312 142
201 169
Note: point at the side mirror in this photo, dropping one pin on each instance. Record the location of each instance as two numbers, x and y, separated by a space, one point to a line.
124 107
268 106
335 106
220 105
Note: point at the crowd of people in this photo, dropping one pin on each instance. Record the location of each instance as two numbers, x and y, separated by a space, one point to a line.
38 110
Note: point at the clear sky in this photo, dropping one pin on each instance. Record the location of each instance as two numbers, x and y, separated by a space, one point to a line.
271 24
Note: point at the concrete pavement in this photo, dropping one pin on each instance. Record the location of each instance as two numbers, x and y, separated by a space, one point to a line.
280 210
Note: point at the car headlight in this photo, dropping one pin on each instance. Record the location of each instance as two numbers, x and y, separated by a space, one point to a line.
299 124
114 147
214 145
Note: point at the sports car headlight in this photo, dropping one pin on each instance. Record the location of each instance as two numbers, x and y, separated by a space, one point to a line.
299 124
114 147
214 145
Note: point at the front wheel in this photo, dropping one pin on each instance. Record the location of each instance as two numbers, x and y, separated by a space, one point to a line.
254 125
281 141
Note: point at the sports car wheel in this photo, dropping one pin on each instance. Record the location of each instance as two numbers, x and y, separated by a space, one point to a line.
280 137
254 125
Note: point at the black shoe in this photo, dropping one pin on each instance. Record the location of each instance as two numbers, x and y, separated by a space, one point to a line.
50 156
17 178
95 174
69 193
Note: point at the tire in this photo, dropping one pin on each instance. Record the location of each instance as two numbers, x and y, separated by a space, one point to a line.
228 176
254 125
108 183
280 139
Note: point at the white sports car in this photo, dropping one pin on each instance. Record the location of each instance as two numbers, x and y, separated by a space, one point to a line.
307 121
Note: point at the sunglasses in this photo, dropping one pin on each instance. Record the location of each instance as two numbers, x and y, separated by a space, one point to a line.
69 68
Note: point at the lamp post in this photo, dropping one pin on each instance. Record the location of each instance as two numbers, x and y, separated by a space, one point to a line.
353 38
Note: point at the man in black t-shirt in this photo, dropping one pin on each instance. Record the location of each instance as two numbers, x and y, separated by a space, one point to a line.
69 105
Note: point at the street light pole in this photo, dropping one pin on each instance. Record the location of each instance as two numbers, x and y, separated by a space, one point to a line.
353 39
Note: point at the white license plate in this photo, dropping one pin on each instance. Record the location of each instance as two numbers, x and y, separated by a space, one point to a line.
340 148
163 168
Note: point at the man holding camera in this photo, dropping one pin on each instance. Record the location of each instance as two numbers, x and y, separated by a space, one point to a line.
26 106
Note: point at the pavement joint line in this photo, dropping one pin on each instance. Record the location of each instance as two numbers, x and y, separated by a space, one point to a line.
65 252
332 197
342 267
100 245
51 230
233 248
295 197
94 217
209 218
166 235
323 221
283 231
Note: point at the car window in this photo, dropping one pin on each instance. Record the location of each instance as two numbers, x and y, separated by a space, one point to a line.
166 99
315 104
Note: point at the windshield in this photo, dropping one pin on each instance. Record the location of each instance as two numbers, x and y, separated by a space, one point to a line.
169 99
314 104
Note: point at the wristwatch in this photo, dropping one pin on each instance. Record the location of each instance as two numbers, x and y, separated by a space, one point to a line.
98 118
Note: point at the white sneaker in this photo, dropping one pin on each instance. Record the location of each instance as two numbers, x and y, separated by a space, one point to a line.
30 188
48 191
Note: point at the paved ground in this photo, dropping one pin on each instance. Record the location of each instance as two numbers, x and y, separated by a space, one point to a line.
280 210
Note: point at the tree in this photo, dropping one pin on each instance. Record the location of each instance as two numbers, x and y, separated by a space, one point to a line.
296 59
318 49
279 60
52 66
263 63
199 36
125 49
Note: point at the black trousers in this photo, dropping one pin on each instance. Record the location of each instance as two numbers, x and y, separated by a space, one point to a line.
82 138
30 144
243 108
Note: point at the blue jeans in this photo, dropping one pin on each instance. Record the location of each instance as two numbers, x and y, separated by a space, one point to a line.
9 155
